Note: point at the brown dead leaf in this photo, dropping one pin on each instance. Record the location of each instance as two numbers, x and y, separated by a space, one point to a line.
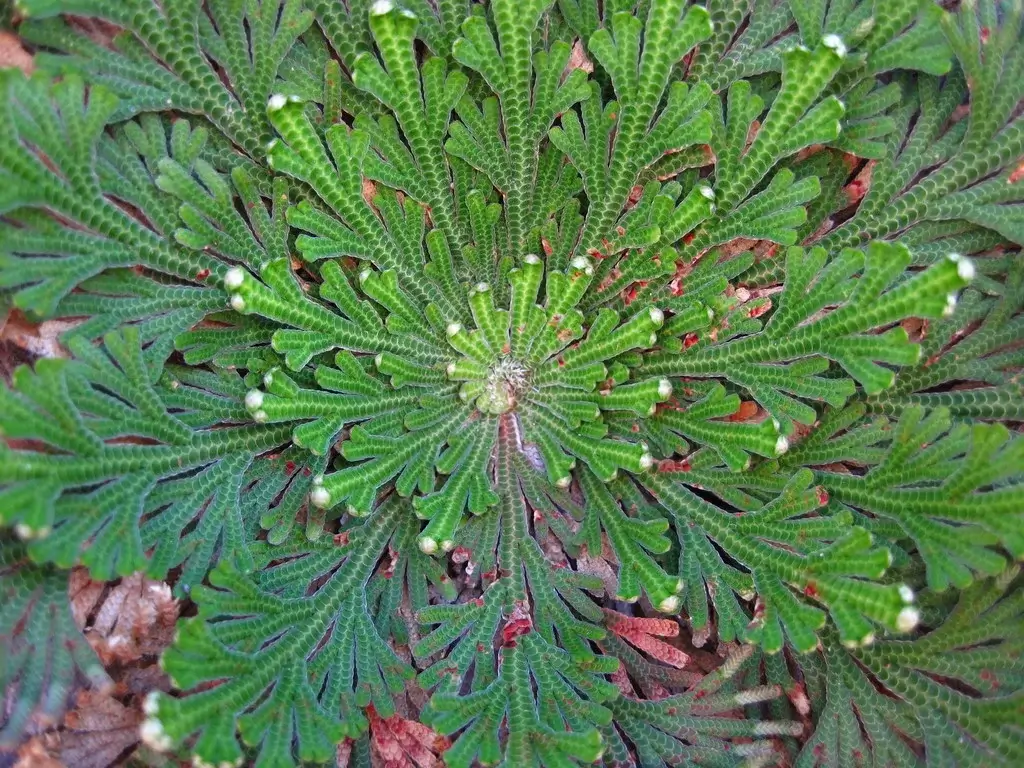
369 191
578 59
735 247
748 411
98 731
916 329
13 54
37 753
98 31
38 340
343 753
126 621
597 564
396 742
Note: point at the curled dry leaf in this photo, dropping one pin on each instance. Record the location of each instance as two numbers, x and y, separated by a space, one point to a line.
396 742
643 633
124 622
35 753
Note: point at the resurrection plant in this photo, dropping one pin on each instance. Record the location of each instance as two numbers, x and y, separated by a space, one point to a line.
527 382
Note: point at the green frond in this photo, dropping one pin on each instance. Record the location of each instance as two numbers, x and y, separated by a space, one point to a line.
523 383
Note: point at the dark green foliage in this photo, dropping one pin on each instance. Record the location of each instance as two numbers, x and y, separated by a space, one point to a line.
434 348
42 655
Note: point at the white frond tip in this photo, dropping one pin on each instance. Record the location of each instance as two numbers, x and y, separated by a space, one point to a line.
234 278
531 258
24 532
198 762
657 317
950 307
276 102
237 303
428 546
151 704
320 497
907 619
581 262
706 191
755 695
646 462
482 287
153 735
563 482
450 370
865 641
447 545
759 753
781 445
253 400
382 7
378 359
260 417
664 388
835 42
453 329
669 604
964 266
906 594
